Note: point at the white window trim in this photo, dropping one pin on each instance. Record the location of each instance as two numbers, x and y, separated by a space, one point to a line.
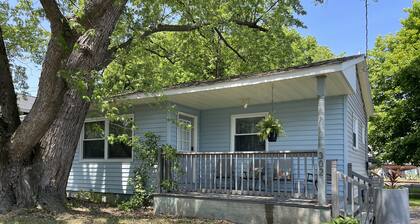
355 129
364 137
233 127
105 159
195 118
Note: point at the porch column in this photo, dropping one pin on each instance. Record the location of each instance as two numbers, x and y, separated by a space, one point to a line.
321 139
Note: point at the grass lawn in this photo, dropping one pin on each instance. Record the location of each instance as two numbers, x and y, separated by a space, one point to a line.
95 215
415 200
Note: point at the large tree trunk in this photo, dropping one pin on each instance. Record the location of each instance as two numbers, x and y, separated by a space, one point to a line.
57 151
34 167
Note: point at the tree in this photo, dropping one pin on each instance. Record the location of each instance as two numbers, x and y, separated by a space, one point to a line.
88 41
394 66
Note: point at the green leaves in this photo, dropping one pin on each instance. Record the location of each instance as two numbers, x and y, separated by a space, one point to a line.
394 67
269 125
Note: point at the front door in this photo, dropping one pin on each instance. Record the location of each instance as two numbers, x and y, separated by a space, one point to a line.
186 133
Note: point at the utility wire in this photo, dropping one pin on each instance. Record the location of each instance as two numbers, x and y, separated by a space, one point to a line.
366 29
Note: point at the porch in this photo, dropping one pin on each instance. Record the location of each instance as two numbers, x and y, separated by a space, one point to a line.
220 155
260 187
281 175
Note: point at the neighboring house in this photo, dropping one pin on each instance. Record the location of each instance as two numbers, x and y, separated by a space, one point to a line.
222 155
25 103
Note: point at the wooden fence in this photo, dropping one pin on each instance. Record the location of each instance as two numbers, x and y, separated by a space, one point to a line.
358 196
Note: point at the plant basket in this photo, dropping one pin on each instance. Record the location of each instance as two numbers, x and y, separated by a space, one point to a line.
272 137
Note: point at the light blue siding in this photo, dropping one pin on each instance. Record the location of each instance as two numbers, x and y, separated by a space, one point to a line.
214 133
299 119
355 108
113 177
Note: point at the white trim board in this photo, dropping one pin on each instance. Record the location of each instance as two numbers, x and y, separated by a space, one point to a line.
105 159
195 119
233 127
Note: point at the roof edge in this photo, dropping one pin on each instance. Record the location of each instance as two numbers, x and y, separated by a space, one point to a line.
263 77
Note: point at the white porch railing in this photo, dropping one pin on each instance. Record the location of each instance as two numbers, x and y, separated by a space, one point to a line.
279 174
358 196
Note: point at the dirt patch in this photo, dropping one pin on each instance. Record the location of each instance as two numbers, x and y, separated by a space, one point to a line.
96 214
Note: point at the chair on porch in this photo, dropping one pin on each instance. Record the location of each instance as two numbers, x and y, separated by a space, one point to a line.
311 176
282 174
256 174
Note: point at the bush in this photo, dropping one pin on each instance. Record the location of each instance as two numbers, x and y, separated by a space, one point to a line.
344 220
146 151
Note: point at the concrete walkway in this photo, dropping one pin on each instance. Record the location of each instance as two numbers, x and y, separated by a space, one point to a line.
415 215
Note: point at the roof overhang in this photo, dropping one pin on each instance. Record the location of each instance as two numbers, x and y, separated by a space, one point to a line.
293 84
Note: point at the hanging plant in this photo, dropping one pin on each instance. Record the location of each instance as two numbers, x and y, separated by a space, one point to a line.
270 128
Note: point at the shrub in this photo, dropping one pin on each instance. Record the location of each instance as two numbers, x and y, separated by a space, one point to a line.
146 152
344 220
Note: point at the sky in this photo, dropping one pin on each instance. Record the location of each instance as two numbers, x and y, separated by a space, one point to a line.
340 24
337 24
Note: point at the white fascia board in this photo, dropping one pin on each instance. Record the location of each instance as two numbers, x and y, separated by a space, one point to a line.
365 88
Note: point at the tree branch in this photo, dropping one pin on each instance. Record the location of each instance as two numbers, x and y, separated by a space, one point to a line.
191 27
165 56
57 20
171 28
252 25
228 45
9 113
110 54
94 9
51 86
268 10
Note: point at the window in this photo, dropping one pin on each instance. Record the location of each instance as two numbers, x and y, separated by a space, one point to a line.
119 149
355 133
94 140
245 135
96 146
186 132
364 135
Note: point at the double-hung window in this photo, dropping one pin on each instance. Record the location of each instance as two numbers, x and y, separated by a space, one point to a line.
94 140
245 134
355 133
95 143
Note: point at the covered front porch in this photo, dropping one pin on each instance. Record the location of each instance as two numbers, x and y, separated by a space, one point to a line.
221 162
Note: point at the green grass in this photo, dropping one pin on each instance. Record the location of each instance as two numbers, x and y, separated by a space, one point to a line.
414 200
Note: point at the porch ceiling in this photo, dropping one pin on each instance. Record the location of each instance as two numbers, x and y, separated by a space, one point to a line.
284 90
297 88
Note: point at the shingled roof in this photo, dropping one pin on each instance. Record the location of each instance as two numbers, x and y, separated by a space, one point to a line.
255 74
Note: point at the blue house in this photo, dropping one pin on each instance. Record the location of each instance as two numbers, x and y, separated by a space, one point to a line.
324 108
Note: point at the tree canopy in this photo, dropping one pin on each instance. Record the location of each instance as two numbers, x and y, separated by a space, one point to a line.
394 67
98 48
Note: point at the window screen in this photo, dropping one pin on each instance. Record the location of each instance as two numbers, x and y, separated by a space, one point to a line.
246 135
94 140
119 149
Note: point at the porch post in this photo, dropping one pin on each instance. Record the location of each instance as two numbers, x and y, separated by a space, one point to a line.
321 140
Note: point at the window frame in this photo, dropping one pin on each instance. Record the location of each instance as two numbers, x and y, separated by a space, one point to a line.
355 130
106 157
364 137
233 119
195 133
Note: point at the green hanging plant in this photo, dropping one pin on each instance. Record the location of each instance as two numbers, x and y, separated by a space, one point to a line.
270 128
